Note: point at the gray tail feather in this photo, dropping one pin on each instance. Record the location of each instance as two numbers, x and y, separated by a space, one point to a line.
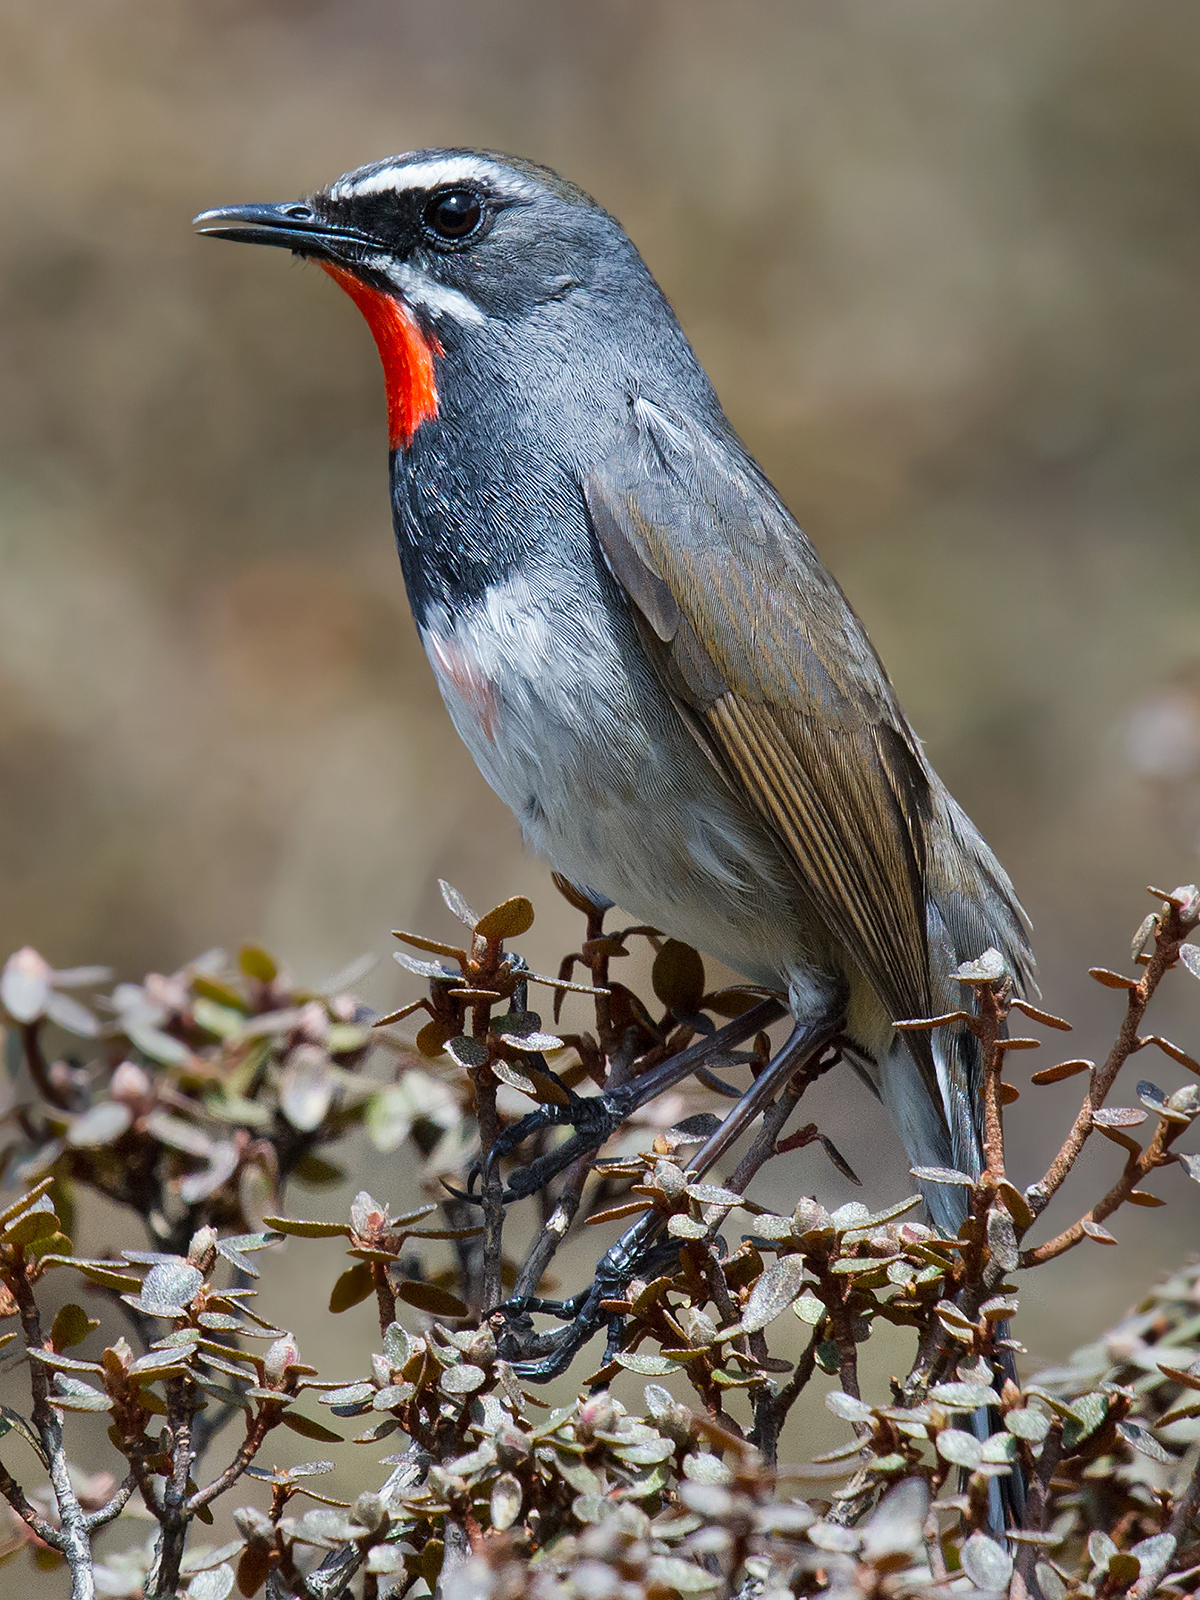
971 907
948 1136
947 1131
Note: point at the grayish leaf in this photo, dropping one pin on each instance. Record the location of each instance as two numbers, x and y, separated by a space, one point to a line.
462 1379
506 1501
775 1290
1027 1423
985 1563
25 985
168 1289
963 1396
457 904
100 1125
306 1087
961 1448
704 1467
847 1406
69 1014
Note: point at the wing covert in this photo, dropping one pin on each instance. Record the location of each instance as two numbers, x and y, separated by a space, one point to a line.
773 672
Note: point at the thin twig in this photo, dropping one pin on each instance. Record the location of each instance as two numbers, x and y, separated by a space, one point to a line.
73 1540
1137 1169
39 1070
1173 929
555 1230
256 1432
15 1495
174 1515
1037 1502
112 1508
993 1003
767 1438
492 1189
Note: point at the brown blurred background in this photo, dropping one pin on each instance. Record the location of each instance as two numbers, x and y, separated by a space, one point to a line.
942 261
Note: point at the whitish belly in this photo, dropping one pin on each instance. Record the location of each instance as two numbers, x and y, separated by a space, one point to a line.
572 731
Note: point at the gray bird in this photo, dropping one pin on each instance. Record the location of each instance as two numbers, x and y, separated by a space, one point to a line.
637 643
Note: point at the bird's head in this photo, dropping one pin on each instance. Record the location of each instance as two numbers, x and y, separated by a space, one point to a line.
450 252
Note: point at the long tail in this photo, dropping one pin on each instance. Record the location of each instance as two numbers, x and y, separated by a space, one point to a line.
972 907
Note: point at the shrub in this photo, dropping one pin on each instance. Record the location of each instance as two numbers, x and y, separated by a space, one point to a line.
202 1094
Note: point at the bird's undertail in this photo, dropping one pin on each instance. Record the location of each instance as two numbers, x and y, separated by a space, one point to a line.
937 1131
948 1136
944 1130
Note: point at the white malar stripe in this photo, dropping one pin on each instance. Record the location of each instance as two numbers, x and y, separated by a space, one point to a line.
429 175
437 299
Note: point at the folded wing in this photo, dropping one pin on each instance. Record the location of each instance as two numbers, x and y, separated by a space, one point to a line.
775 675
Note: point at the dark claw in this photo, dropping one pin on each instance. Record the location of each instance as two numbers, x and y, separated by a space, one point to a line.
549 1355
564 1310
462 1194
594 1118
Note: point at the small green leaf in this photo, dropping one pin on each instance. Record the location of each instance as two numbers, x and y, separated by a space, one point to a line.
960 1447
506 1501
258 963
302 1228
509 920
648 1366
223 994
1142 1440
462 1379
1087 1413
71 1327
808 1308
308 1428
26 1202
987 1564
222 1021
847 1406
75 1395
32 1226
1027 1423
684 1577
775 1290
431 1297
353 1287
829 1357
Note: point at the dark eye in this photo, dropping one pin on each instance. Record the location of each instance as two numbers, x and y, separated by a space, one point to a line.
453 215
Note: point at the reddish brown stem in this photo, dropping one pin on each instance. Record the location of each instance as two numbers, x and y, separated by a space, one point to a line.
989 1023
1137 1168
1173 929
39 1069
256 1432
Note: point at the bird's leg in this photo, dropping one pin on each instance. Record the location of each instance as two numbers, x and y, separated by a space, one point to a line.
623 1260
596 1117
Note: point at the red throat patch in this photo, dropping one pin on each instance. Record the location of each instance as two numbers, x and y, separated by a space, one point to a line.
406 353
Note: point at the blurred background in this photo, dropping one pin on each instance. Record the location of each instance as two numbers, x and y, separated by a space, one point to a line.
942 263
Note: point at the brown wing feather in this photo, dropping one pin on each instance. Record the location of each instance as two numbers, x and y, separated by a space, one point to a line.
776 676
